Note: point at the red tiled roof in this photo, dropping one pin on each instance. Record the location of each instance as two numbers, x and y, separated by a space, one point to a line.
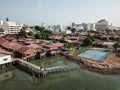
10 38
35 46
16 47
56 37
26 50
29 41
22 49
11 45
48 46
2 40
4 51
5 44
58 44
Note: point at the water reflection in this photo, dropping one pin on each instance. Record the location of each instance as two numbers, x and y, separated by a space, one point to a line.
6 75
73 80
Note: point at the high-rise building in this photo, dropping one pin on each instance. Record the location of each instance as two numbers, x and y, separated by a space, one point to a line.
91 26
101 24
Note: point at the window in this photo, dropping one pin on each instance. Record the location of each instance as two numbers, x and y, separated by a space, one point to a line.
5 59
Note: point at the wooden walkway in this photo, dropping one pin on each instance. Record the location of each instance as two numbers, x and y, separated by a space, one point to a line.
29 64
58 67
42 72
41 69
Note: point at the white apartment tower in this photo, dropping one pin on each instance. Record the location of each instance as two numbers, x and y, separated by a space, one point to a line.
11 27
91 26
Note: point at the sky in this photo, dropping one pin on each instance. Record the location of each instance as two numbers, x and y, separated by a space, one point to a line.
64 12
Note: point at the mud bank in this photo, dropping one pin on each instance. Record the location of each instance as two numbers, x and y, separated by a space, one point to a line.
102 68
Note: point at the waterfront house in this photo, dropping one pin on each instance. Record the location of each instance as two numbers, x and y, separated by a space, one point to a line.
4 51
4 59
26 53
50 49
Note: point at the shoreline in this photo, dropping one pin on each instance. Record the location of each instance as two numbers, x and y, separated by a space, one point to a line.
105 68
112 68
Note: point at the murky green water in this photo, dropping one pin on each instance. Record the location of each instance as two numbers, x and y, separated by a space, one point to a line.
53 61
77 80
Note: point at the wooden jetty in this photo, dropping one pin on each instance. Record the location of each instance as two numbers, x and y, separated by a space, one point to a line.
43 72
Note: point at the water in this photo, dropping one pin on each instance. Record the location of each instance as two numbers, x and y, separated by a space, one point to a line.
76 80
53 61
95 54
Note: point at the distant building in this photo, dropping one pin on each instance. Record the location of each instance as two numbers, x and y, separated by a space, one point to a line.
11 27
77 26
116 28
84 26
54 28
68 31
101 25
90 26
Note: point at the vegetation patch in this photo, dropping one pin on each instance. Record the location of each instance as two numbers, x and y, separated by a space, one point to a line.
76 52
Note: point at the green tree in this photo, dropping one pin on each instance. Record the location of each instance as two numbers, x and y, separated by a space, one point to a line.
30 33
87 42
73 30
90 37
38 36
38 28
91 31
69 28
108 31
23 33
44 34
64 36
116 45
68 45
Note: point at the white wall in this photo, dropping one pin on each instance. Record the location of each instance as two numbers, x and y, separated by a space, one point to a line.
5 26
3 61
15 29
68 32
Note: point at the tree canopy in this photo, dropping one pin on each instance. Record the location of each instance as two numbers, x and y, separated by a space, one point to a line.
38 36
88 41
69 28
108 30
91 31
117 45
38 28
23 33
43 34
30 33
68 45
73 30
